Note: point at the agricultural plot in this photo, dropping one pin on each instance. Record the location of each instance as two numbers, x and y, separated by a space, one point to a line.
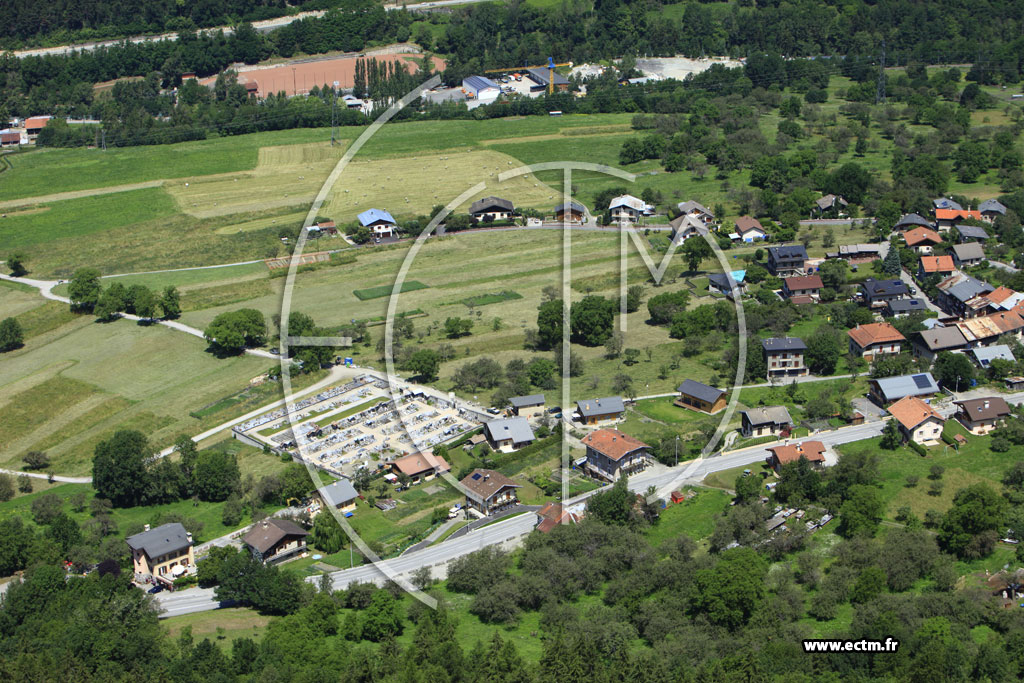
386 290
411 186
70 388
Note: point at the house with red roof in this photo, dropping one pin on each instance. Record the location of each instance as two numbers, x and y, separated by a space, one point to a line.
930 265
875 339
813 451
918 421
612 454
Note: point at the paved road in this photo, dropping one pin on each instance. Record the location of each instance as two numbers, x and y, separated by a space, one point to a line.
56 477
1004 266
45 288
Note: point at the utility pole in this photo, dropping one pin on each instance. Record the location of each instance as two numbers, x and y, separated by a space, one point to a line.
334 113
295 87
880 92
103 140
677 450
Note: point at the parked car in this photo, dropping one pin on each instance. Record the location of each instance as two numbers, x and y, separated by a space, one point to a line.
156 589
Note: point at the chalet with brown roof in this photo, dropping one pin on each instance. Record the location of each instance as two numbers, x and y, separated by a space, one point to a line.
489 491
750 229
420 466
611 454
802 285
814 451
875 339
273 540
930 265
553 514
918 421
700 397
922 239
982 415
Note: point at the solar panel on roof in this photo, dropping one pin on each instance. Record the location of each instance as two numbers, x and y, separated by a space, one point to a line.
476 475
921 381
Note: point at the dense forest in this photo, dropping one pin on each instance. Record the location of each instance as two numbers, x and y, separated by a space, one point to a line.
53 21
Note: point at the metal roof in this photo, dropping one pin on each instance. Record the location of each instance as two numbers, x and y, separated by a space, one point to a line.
946 203
527 401
628 200
895 388
986 354
166 538
371 216
776 344
339 493
540 76
478 83
515 428
601 406
963 287
700 391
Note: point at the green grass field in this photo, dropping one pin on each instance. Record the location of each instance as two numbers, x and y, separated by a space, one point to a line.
386 290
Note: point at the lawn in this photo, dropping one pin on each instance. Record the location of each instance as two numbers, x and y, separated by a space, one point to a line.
695 517
386 290
726 479
974 464
221 626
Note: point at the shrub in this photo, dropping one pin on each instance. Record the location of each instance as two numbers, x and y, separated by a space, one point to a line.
917 448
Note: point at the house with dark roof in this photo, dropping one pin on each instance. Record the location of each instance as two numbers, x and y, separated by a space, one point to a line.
272 540
596 410
812 451
935 265
968 254
970 233
982 415
572 212
802 285
162 554
379 222
685 226
911 220
766 421
886 390
991 209
918 421
420 466
855 253
784 357
489 491
341 495
945 203
612 454
830 203
878 292
787 260
491 209
928 344
700 397
509 434
956 290
719 282
527 406
900 308
875 339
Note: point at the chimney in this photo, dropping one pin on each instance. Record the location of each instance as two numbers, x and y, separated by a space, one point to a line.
188 535
986 404
145 527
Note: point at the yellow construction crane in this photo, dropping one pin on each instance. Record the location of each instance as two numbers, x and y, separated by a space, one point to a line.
550 66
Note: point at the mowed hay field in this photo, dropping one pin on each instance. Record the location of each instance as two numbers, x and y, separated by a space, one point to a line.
413 185
72 386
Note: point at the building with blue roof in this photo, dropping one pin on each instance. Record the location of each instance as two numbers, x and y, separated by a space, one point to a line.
481 88
379 221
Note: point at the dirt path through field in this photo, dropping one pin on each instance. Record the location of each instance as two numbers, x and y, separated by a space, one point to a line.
78 194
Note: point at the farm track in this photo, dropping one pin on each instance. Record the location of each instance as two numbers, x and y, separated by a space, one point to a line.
78 194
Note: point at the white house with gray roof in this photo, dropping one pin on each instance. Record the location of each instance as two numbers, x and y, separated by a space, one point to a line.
991 209
886 390
766 421
509 433
341 495
784 357
968 254
527 406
